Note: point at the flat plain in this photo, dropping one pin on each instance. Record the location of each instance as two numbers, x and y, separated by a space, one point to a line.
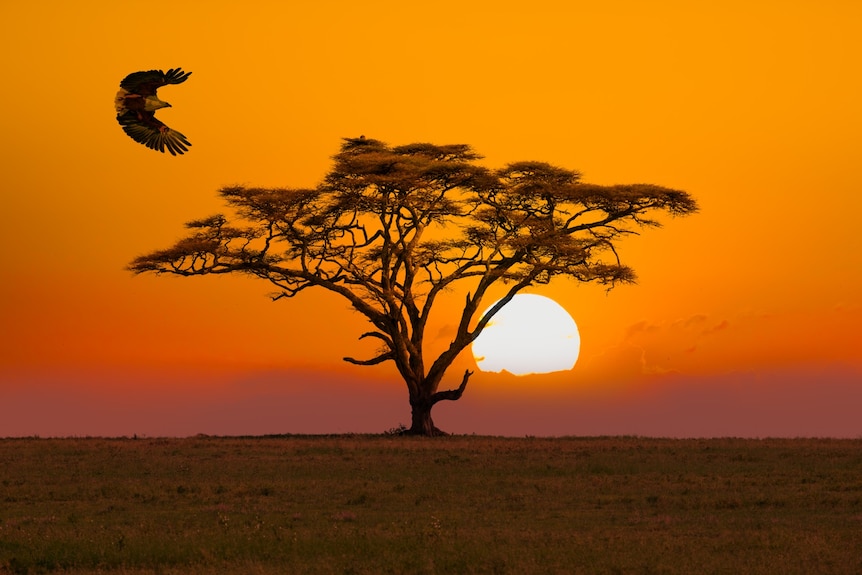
402 505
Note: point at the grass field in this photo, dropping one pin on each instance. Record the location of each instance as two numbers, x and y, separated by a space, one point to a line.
380 504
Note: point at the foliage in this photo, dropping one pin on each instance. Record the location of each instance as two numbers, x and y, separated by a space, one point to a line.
363 504
391 228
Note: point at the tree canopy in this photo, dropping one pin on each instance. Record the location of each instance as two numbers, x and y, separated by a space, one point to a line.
391 227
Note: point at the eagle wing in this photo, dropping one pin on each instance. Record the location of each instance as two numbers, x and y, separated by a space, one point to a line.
141 124
146 83
143 127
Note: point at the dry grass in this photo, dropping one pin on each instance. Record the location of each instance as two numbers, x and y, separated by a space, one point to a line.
363 504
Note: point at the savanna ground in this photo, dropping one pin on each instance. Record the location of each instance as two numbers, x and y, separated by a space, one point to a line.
381 504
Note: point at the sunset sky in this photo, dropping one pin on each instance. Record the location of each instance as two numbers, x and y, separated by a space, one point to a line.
746 317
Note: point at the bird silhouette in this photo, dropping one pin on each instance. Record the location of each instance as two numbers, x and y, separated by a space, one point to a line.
136 104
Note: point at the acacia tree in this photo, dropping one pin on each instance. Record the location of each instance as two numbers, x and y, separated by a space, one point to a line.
390 228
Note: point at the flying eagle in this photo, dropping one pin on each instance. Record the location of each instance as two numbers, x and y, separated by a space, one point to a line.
136 105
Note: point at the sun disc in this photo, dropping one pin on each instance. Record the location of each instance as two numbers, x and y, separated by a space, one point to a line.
531 334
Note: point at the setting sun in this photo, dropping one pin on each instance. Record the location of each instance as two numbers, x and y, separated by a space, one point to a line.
531 334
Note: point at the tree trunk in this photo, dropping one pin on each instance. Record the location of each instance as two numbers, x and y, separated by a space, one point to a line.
422 424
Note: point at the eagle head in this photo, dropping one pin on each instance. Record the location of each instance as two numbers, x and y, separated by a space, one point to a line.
152 104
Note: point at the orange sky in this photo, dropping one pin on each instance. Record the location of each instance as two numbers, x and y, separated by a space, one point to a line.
746 314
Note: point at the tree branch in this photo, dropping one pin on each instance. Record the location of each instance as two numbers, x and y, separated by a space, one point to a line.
373 361
378 335
452 394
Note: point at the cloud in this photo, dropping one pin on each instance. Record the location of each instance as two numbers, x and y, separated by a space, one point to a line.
690 321
650 348
640 327
693 324
720 326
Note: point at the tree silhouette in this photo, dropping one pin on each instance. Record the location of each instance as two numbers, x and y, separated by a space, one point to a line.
390 228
